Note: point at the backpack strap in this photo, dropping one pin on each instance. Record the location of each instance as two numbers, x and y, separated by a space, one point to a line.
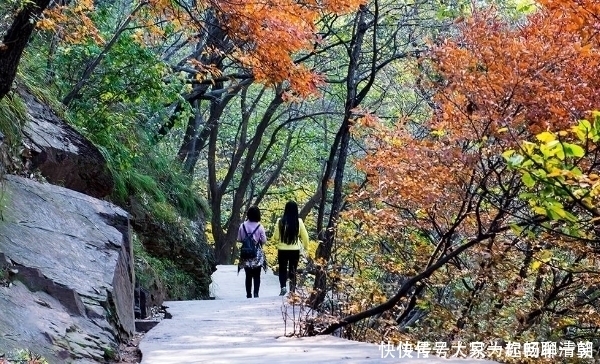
246 232
257 226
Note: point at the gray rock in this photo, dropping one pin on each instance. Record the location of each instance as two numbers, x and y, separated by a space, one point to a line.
145 325
71 298
63 156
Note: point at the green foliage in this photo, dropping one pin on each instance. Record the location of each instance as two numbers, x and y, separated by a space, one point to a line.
148 269
110 354
32 73
23 356
513 9
12 117
552 171
119 111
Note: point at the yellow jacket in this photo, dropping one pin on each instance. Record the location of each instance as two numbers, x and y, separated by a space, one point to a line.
302 237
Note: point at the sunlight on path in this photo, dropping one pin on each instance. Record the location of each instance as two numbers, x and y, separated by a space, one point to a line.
235 329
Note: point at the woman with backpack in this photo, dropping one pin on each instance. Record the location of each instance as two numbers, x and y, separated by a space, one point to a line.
251 233
291 236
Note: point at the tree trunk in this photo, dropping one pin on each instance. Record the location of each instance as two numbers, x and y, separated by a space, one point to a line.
196 136
15 41
225 235
341 143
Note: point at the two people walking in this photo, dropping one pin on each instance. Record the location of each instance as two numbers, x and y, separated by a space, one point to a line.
291 237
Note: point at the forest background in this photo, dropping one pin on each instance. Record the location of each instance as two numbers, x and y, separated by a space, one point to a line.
443 152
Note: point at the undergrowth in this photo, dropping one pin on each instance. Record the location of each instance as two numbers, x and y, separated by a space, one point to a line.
22 356
118 118
148 269
12 117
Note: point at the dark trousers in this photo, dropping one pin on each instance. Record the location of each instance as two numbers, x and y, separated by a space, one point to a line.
288 263
252 274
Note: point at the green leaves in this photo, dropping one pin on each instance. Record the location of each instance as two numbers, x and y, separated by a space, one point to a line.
573 150
549 170
588 131
528 179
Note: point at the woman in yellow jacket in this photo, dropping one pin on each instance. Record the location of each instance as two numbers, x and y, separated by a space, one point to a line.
290 235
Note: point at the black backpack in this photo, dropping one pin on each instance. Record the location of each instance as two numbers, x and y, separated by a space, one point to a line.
249 248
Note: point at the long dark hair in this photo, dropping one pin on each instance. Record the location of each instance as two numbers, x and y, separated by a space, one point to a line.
288 225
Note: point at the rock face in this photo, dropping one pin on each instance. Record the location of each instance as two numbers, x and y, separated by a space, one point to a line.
61 154
66 273
185 247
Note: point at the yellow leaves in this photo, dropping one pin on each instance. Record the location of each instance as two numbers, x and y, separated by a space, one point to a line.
205 71
556 172
508 153
438 132
528 147
71 23
160 4
543 256
595 190
536 265
138 36
545 137
83 6
46 23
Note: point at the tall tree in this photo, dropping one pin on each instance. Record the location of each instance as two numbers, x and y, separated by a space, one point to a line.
382 33
241 45
15 40
503 237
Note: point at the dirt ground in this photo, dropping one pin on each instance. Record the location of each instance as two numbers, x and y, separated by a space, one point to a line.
129 352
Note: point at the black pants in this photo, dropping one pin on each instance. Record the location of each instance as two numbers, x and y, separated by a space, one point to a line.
288 263
252 274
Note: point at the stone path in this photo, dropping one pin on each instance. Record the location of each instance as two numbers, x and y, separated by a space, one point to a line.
234 329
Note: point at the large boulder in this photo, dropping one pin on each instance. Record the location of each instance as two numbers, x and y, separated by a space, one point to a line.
62 155
66 273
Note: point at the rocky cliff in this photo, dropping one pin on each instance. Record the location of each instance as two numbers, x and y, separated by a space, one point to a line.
67 291
66 261
66 258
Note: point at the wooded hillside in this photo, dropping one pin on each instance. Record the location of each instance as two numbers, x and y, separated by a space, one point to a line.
444 153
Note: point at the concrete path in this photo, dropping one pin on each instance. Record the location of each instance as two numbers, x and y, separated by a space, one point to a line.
235 329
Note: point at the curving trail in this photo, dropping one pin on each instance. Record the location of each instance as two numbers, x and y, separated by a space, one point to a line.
236 329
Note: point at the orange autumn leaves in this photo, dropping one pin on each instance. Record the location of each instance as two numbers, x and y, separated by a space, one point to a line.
497 84
72 24
265 34
541 74
414 175
268 33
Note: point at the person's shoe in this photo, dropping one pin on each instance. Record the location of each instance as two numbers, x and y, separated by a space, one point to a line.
256 295
283 291
248 295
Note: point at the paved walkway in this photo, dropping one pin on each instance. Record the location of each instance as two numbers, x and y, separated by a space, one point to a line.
235 329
